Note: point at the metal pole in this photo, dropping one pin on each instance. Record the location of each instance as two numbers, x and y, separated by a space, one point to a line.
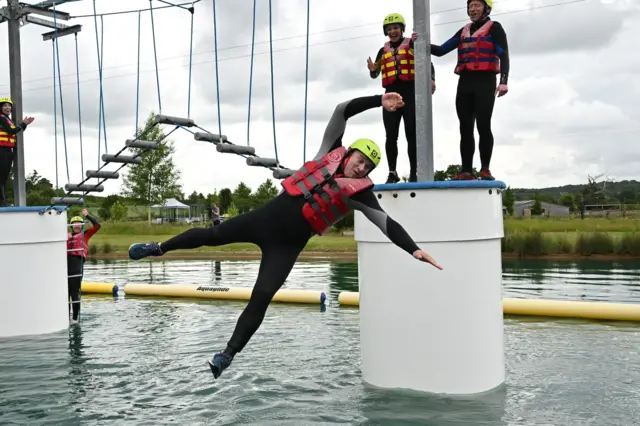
15 73
424 116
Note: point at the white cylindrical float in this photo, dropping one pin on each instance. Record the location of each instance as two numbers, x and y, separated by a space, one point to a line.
422 328
33 276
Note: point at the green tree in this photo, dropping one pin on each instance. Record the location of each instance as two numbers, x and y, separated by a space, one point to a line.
568 200
242 197
452 170
265 192
39 189
225 199
508 199
536 209
156 178
118 210
233 211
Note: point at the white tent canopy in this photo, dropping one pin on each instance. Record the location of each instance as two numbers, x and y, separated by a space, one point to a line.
171 203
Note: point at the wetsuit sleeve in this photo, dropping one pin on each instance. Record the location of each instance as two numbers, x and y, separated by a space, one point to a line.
367 203
448 45
4 125
500 39
374 74
91 231
332 138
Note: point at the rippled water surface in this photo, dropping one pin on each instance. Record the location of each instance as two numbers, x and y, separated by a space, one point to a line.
143 360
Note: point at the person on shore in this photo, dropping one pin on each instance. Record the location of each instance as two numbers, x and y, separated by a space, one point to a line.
483 52
8 132
77 250
395 60
317 196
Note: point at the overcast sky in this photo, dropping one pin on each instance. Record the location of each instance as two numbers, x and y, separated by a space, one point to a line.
572 108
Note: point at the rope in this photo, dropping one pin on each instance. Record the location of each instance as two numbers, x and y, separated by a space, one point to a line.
64 128
138 75
55 106
253 45
79 106
104 119
192 10
273 98
306 87
215 44
155 54
95 21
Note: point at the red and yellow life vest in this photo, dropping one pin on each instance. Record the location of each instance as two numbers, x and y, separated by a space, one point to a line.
325 193
76 245
477 52
7 139
397 63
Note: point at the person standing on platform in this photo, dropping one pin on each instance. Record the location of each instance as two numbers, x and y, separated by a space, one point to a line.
77 250
483 53
395 61
8 132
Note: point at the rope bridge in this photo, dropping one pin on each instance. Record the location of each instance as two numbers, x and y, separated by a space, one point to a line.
221 141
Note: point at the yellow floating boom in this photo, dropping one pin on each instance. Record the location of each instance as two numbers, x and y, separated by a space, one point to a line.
203 292
547 308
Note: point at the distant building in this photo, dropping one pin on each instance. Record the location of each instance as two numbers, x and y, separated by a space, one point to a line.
523 208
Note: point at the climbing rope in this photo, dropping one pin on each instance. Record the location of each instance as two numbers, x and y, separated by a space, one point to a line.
273 98
155 54
55 106
306 87
57 59
215 47
138 75
192 10
253 45
79 107
100 102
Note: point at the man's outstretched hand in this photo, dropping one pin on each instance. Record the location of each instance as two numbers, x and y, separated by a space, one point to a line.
392 101
421 255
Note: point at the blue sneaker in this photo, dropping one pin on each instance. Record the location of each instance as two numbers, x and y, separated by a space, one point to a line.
219 363
141 250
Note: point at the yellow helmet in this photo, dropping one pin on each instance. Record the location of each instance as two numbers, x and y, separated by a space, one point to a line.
393 18
489 3
76 219
369 148
6 101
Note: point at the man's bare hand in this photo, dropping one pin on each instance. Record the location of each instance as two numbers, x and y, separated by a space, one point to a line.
421 255
392 101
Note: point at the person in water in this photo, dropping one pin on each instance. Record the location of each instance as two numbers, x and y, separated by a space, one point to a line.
317 196
483 52
77 250
395 60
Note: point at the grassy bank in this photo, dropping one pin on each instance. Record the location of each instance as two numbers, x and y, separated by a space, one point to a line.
523 238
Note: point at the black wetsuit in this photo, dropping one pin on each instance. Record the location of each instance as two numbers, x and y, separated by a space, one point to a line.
476 96
391 119
7 155
281 232
75 270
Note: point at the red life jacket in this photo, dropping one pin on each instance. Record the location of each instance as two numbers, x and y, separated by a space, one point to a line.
7 139
326 194
76 245
397 61
477 52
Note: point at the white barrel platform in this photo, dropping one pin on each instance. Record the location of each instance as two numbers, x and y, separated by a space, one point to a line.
425 329
33 276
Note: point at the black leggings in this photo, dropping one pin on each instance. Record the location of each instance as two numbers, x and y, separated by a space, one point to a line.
474 103
6 162
281 243
75 266
392 128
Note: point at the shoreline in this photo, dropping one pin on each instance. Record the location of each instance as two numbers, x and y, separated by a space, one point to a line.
348 255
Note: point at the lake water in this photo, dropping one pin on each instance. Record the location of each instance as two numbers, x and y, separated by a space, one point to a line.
143 361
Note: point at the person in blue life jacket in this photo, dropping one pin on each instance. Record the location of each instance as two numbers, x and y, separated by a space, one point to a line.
317 196
395 61
483 53
8 132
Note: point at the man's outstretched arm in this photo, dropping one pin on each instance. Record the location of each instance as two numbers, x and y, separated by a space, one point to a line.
332 138
367 203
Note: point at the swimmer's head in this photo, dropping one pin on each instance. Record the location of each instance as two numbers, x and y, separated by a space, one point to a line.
363 156
393 26
76 224
479 9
